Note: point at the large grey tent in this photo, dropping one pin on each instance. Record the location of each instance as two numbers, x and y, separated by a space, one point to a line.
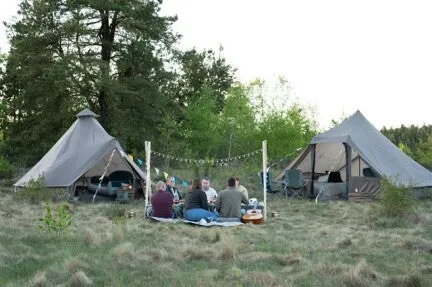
369 153
84 151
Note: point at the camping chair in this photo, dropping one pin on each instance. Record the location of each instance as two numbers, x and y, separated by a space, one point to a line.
294 183
269 188
122 196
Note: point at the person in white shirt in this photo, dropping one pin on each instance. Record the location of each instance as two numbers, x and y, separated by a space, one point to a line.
209 191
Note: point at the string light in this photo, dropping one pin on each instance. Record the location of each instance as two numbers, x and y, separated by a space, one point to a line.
220 161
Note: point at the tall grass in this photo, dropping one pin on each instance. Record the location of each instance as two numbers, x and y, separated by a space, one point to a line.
307 244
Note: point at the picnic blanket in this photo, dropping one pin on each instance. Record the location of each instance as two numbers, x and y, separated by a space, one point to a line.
227 223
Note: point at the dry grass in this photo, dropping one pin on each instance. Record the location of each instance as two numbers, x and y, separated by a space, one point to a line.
80 279
307 244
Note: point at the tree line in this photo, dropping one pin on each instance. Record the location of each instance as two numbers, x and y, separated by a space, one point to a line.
415 141
121 59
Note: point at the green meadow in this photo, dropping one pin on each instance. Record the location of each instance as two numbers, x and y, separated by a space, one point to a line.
332 243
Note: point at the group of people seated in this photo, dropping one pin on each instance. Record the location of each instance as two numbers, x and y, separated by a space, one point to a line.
202 201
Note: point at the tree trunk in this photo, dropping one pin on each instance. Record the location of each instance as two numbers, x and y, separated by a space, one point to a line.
106 35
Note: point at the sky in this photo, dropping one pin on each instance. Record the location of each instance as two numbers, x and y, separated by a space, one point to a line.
339 56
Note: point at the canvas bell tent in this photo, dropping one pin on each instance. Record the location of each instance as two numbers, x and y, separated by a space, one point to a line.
370 157
86 150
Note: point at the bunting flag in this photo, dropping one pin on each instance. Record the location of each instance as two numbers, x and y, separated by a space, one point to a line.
165 174
176 180
157 171
185 183
130 157
140 161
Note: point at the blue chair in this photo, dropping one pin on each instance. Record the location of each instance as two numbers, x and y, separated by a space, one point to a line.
268 182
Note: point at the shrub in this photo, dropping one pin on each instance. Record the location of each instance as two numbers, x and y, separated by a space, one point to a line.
57 221
396 200
6 168
35 191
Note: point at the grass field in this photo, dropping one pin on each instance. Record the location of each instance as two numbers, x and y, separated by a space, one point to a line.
335 243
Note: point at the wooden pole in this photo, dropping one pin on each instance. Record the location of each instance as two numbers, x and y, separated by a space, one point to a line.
148 181
264 154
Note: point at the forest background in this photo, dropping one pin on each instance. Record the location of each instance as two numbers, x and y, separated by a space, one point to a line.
121 59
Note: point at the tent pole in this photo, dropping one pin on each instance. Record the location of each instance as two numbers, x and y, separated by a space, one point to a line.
264 156
348 168
148 184
313 153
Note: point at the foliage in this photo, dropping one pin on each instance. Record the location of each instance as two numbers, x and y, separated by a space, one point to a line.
404 148
423 152
416 142
115 212
65 55
396 200
6 168
59 220
120 220
237 124
281 119
200 125
410 136
204 70
35 191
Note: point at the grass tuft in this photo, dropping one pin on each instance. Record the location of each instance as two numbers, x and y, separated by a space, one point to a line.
228 250
360 275
39 280
92 238
80 279
287 259
74 264
125 251
345 243
260 278
199 253
412 280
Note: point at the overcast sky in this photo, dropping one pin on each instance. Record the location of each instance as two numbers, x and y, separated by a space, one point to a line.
339 56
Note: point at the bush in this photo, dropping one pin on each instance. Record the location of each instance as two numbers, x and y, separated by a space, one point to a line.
6 169
35 191
396 200
57 221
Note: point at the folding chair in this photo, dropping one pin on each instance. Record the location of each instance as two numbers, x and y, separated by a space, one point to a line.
122 196
269 187
294 183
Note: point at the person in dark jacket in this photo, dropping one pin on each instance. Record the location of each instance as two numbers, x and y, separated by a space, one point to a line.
171 188
162 202
196 205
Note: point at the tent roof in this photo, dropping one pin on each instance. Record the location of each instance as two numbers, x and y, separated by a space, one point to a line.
83 145
86 113
375 149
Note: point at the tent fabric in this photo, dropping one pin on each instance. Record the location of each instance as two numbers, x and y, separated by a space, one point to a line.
84 149
370 148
